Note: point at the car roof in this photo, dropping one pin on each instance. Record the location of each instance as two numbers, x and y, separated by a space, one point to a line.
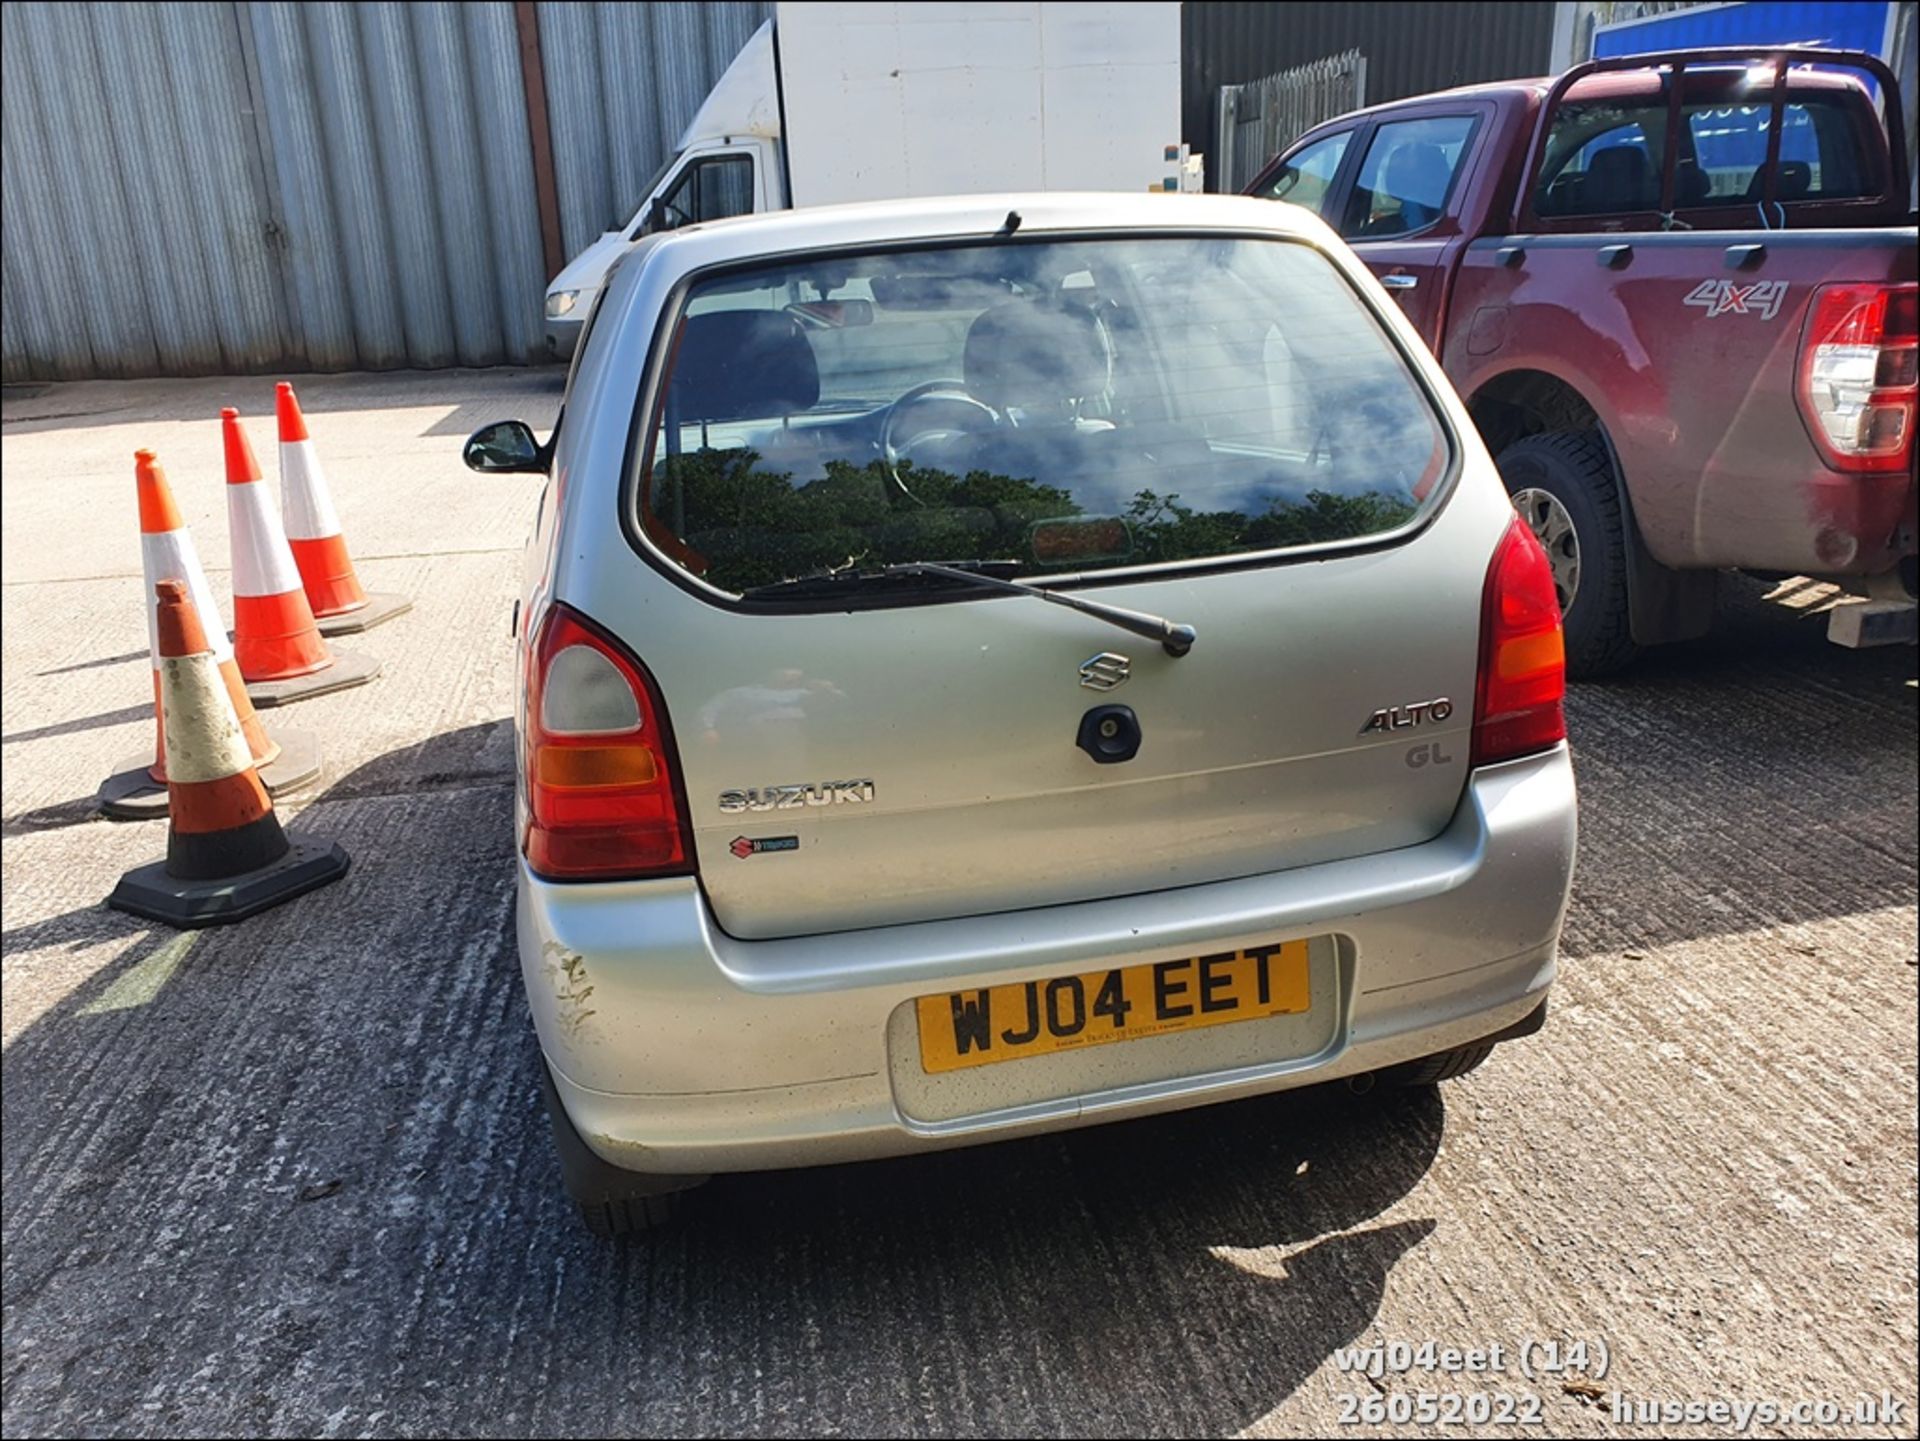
880 222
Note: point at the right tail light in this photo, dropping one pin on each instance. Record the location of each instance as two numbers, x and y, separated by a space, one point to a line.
1857 374
1523 664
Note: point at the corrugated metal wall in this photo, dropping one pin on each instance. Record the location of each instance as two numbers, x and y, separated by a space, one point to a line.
194 188
623 80
1411 47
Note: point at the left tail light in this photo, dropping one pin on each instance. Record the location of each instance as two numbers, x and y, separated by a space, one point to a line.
603 789
1858 368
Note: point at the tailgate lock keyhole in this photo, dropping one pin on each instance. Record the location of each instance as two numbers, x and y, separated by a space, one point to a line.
1109 733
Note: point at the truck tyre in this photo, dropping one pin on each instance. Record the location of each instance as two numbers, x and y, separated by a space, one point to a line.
1563 486
613 1202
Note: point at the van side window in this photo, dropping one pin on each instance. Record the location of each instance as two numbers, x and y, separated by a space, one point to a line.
715 188
1406 176
1307 176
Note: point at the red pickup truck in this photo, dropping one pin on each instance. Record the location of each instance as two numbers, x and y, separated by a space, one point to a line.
1678 295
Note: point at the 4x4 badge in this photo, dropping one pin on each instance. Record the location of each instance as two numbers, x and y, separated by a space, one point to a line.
1104 671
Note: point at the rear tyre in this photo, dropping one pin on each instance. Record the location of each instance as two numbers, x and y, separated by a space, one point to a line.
1564 487
613 1201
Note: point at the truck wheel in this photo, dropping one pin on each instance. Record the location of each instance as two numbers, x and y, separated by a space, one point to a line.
1564 487
613 1202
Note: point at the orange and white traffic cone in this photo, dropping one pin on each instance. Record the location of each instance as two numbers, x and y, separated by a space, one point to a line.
340 605
275 640
227 857
137 786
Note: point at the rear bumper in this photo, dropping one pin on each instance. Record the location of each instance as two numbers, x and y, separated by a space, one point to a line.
678 1049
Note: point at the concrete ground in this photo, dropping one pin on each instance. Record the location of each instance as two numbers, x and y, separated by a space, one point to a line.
294 1177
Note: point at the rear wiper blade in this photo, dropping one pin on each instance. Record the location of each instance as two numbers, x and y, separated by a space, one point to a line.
1175 639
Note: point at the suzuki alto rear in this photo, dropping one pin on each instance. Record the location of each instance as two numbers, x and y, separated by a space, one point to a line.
1007 663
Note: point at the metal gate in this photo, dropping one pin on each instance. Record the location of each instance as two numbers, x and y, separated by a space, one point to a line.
1259 119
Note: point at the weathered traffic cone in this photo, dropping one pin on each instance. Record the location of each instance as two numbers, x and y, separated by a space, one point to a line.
340 605
275 639
137 786
227 857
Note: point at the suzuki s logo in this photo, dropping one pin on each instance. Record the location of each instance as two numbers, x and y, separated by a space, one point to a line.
787 798
1105 671
1723 297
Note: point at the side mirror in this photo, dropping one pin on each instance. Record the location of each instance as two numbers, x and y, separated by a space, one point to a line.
506 446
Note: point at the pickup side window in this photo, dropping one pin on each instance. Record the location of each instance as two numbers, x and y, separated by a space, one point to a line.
1307 176
1603 160
1406 177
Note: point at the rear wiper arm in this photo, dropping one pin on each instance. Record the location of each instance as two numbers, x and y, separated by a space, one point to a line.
1176 639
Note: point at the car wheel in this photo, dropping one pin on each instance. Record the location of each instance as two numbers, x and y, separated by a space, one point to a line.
613 1202
1564 487
1446 1066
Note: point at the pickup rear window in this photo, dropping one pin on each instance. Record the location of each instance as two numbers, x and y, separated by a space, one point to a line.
1606 158
1067 406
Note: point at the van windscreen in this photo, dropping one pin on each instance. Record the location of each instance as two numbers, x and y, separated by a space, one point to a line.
1065 407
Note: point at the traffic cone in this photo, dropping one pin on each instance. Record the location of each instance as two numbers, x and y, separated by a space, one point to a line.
137 786
339 604
275 639
227 857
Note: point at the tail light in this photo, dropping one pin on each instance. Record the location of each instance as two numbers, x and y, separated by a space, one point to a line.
1857 374
1523 666
603 788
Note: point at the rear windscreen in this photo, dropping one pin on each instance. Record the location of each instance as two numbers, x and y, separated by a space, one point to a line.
1066 406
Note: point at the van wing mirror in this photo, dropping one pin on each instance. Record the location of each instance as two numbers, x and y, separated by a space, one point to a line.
505 447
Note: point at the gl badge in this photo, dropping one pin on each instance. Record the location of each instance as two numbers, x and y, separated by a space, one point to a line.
1105 671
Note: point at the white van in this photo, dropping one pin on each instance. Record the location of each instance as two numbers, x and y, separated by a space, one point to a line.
832 103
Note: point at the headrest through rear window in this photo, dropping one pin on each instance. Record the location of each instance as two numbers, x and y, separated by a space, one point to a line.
1619 178
1031 355
744 365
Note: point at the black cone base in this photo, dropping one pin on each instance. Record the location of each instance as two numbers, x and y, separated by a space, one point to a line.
149 891
348 669
130 794
382 607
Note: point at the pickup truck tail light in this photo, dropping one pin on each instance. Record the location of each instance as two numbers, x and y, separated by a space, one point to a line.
603 794
1858 372
1523 666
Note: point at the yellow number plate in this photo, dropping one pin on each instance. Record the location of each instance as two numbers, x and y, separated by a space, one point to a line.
1038 1018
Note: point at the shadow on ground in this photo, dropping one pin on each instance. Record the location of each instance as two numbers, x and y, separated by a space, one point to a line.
1761 776
295 1175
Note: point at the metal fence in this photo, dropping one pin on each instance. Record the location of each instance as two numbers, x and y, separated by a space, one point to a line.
1259 119
233 186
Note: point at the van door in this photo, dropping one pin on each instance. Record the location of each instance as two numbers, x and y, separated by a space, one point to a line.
711 184
1398 214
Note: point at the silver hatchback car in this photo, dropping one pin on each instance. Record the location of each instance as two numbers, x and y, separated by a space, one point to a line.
1007 663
